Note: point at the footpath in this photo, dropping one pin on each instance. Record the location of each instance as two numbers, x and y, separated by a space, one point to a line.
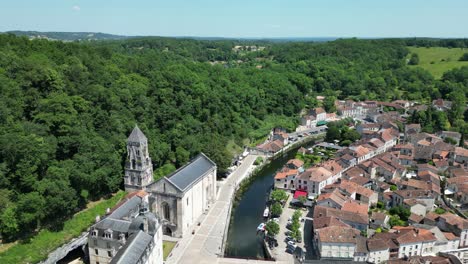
205 246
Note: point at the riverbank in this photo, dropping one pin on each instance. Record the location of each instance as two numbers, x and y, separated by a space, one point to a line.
242 241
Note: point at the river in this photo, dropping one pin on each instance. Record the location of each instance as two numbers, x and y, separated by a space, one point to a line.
242 240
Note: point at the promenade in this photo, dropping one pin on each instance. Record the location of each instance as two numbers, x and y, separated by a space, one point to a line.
205 245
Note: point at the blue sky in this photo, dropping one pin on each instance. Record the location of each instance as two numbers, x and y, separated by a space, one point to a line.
242 18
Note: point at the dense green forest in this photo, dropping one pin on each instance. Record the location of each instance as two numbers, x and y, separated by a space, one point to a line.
66 109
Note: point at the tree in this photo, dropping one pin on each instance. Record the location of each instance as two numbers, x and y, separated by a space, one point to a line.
279 195
395 221
9 226
276 209
414 60
464 57
401 211
329 104
333 133
272 228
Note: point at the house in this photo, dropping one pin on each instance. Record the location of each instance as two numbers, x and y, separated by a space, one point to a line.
415 206
129 234
378 219
379 250
441 104
356 192
411 129
449 222
295 164
419 196
336 243
319 113
313 180
355 220
450 134
332 199
405 154
415 219
284 179
461 155
414 241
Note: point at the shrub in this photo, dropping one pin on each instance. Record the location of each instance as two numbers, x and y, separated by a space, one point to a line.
272 227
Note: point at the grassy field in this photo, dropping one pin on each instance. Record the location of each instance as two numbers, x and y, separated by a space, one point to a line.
167 248
38 247
438 60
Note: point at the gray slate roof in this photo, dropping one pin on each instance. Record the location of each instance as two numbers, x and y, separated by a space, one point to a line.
130 206
133 249
137 135
191 172
115 225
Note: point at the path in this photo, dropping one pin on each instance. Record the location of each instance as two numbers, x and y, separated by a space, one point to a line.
206 245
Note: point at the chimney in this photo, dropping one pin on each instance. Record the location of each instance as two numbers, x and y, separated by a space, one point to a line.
98 218
107 210
145 224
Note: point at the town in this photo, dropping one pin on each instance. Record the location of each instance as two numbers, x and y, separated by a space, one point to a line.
379 191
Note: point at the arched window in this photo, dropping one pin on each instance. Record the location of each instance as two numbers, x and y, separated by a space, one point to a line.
133 164
166 210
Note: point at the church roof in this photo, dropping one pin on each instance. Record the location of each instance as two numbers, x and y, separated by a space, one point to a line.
136 135
191 172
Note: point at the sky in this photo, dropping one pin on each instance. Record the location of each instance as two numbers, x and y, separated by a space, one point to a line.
242 18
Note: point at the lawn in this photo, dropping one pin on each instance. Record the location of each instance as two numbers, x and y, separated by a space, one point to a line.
438 60
167 248
38 247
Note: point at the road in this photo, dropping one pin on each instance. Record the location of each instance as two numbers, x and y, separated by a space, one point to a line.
206 245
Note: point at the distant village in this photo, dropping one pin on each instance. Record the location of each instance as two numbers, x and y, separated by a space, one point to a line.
397 195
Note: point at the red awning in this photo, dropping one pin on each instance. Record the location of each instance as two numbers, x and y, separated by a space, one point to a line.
298 194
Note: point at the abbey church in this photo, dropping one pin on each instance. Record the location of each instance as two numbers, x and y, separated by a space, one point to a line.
180 198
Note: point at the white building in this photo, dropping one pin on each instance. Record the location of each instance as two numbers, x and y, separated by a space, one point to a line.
183 196
336 242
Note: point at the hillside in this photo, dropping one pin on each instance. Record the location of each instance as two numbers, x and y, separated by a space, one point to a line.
67 36
438 60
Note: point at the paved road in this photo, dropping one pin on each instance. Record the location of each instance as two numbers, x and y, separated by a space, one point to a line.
205 245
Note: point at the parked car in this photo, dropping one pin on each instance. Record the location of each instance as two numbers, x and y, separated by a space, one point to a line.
288 233
288 238
291 243
289 250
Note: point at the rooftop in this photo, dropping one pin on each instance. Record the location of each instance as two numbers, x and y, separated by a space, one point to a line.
191 172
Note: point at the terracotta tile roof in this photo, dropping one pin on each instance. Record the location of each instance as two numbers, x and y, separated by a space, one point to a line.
457 180
403 146
378 216
296 162
409 235
415 218
412 202
321 211
335 196
361 151
355 207
316 174
432 216
355 172
455 220
285 173
450 236
459 151
377 244
387 135
360 180
332 166
338 234
327 221
413 194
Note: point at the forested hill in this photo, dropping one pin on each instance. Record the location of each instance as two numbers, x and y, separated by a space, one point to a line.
66 109
67 36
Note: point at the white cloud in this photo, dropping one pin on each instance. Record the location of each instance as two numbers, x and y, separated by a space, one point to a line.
76 8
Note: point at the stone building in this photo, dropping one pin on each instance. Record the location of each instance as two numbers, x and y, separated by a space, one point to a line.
180 198
138 166
183 196
129 234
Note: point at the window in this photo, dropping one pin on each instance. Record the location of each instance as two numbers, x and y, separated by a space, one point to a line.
285 186
96 251
94 233
108 245
109 254
95 242
187 201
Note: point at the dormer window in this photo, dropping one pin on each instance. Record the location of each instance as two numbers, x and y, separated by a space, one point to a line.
108 234
94 233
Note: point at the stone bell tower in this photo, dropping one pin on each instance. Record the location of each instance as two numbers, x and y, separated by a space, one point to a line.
138 166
